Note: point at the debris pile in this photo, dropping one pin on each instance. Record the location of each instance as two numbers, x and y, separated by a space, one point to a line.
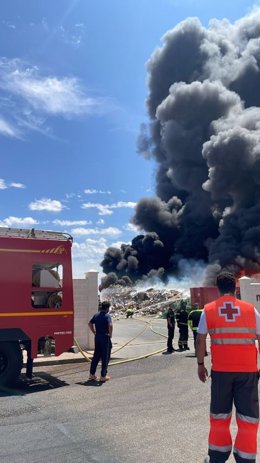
143 302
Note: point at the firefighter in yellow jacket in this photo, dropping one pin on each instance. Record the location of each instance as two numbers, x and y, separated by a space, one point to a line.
234 326
193 321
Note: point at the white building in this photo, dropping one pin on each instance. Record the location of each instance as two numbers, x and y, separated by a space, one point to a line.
85 292
250 290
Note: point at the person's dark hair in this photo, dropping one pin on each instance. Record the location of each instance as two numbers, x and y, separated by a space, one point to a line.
226 282
183 304
104 306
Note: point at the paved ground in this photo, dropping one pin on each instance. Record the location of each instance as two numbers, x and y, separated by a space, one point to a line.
153 410
125 330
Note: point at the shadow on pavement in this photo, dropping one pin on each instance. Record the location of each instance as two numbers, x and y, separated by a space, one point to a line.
177 350
40 382
91 383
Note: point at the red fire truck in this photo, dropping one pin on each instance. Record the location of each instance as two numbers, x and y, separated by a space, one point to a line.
36 307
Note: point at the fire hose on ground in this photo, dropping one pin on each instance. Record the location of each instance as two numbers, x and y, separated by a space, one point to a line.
88 356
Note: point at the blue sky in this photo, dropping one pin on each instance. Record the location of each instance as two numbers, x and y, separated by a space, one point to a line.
72 93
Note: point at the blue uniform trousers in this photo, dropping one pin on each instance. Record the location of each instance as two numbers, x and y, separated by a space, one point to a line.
103 346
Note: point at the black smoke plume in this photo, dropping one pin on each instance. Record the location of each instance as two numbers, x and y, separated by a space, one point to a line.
204 134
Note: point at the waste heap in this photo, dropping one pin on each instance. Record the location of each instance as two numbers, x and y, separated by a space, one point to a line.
144 302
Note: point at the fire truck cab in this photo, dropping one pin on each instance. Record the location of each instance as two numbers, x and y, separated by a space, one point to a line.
36 298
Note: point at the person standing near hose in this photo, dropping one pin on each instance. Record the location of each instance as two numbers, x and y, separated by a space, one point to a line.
171 326
234 326
193 322
182 323
101 326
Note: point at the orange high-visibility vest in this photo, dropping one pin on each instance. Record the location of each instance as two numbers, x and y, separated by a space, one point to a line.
232 327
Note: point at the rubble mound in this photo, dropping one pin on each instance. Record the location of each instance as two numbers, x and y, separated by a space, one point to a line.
149 301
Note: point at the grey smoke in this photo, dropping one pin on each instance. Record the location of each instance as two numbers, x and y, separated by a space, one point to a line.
204 134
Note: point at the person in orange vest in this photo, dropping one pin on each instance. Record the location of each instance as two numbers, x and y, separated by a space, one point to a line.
234 326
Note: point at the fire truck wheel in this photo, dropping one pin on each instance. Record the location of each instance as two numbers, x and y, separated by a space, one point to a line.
11 362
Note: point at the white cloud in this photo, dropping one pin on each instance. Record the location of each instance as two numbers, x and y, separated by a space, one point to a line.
27 119
18 222
110 231
17 185
9 25
71 223
88 255
8 130
102 208
97 247
72 195
51 94
73 35
120 204
46 204
54 95
3 185
31 98
131 227
106 209
100 222
89 191
117 244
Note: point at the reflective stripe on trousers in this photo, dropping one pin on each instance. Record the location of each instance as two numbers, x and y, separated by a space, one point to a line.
242 390
246 440
219 435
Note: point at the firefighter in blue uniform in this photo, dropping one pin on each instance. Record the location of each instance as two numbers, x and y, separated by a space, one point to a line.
182 323
171 326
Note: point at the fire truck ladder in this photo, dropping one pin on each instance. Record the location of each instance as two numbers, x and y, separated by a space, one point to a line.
32 233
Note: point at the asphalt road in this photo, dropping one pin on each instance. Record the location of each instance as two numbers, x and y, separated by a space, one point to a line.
142 339
153 410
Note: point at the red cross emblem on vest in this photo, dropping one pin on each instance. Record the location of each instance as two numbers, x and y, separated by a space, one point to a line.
229 311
